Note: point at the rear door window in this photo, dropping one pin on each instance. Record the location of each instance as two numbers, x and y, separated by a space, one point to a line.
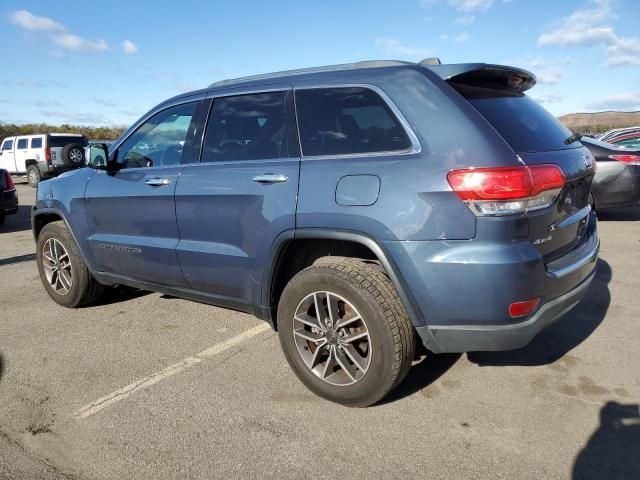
523 123
347 120
247 127
36 142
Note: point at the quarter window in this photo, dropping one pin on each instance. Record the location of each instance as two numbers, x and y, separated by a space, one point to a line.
159 141
347 120
22 143
247 127
36 143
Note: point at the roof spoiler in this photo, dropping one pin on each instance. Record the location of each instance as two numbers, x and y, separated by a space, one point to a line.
497 77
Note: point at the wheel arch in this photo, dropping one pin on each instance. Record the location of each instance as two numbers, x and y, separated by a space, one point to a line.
279 270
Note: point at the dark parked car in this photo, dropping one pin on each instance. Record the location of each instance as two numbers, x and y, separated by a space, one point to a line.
8 196
617 179
356 208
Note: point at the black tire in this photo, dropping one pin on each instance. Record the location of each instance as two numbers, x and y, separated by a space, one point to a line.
374 297
85 289
33 175
73 155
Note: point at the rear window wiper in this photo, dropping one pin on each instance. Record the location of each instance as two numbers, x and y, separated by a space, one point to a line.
573 138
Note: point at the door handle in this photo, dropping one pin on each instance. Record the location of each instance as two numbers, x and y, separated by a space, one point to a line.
270 178
157 182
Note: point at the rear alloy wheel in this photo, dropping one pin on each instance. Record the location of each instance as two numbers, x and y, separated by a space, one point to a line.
332 338
345 332
33 175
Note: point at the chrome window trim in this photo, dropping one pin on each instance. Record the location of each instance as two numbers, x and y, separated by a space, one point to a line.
415 143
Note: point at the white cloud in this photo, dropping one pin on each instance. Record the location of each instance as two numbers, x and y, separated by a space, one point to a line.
395 47
470 5
465 20
74 42
589 27
547 72
29 21
463 37
461 5
617 101
129 47
549 98
59 33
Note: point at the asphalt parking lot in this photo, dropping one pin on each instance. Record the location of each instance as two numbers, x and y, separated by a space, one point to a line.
148 386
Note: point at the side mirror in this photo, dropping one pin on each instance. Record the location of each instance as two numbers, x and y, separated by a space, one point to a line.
98 156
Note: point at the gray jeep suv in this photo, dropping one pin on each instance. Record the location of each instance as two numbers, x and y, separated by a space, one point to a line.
359 209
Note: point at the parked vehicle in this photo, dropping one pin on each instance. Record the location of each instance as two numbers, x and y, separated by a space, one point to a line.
612 135
42 156
628 140
395 202
617 179
8 196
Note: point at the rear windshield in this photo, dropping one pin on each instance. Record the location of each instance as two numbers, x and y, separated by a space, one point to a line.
522 122
61 141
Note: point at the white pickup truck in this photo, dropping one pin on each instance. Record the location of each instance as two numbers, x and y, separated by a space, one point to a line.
42 156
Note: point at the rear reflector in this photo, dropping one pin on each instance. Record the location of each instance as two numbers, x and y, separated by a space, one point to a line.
520 309
47 154
630 159
507 190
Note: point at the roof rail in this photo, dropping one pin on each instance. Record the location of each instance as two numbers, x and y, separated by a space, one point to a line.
303 71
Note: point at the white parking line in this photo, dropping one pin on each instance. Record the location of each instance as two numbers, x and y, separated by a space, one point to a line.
125 392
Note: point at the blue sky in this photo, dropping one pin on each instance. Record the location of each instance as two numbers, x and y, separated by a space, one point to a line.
69 62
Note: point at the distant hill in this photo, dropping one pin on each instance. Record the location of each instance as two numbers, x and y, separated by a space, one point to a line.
600 121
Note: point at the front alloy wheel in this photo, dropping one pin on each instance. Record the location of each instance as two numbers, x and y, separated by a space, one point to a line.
57 266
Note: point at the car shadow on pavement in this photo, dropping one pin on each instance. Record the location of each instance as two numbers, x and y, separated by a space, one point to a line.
19 222
563 336
629 214
118 294
422 374
613 451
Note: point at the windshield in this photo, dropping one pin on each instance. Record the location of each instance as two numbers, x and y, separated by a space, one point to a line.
523 123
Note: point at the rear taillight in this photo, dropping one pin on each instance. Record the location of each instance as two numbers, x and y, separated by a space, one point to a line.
507 190
630 159
47 154
8 182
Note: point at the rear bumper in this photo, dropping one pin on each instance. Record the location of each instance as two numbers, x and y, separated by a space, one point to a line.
502 337
464 288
